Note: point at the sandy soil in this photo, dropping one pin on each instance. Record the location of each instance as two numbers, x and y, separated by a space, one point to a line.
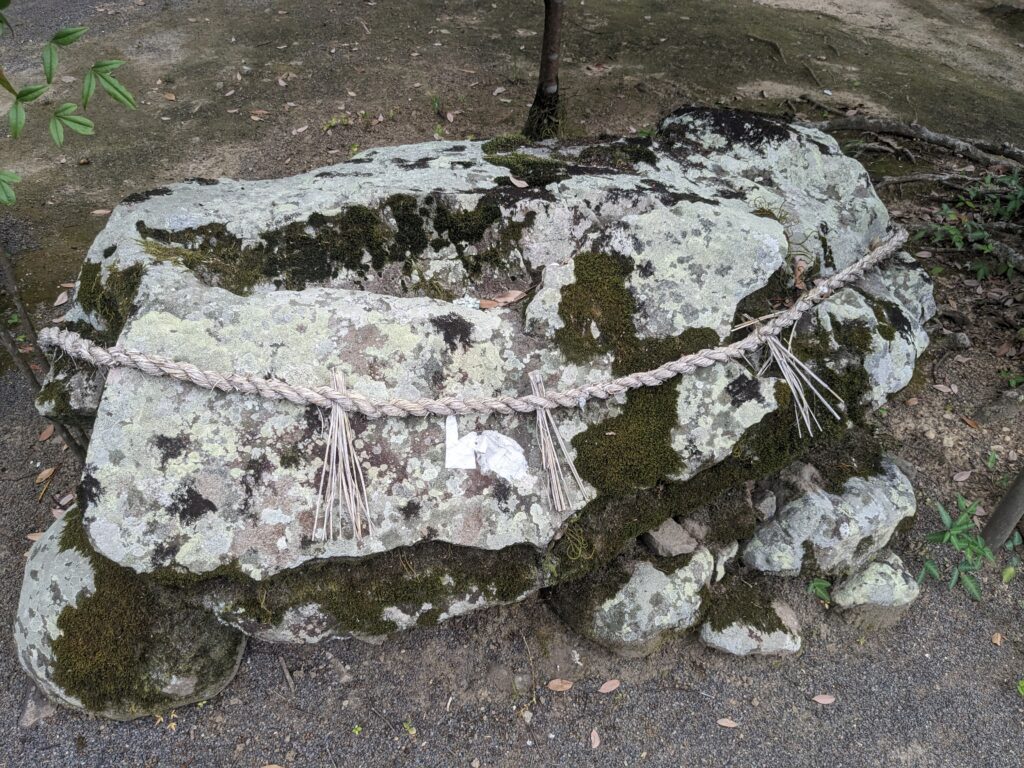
934 691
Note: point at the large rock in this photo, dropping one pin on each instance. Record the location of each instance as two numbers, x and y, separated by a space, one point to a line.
627 254
754 626
93 636
838 531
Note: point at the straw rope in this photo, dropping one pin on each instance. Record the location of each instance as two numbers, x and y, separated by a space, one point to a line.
325 397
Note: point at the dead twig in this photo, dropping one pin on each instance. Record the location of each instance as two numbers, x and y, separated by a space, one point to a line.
944 179
773 44
979 152
819 105
813 75
287 675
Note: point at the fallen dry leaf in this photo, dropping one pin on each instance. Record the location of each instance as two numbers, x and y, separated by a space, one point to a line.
559 685
62 298
997 639
595 740
35 536
942 388
970 422
727 722
45 475
608 686
518 182
488 304
824 698
101 212
498 90
170 97
912 401
58 513
46 434
963 477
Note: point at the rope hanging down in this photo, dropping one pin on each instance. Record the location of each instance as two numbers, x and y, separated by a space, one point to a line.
328 397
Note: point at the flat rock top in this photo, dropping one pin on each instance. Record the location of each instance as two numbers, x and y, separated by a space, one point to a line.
181 476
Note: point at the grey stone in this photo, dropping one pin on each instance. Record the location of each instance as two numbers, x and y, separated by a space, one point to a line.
651 605
877 595
841 531
37 708
669 539
742 638
190 656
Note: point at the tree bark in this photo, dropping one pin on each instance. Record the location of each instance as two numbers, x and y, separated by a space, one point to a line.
1007 515
545 116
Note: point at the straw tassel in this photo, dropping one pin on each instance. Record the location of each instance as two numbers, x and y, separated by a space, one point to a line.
559 472
342 489
803 383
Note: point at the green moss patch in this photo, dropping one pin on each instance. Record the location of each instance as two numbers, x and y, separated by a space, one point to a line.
508 142
535 171
736 602
623 155
111 299
355 593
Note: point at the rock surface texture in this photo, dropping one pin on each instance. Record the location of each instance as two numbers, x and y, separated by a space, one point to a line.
430 271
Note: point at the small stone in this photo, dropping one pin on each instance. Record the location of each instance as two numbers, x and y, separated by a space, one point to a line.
778 634
37 708
961 340
877 596
669 539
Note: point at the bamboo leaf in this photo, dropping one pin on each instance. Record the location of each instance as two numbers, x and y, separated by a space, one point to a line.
78 124
6 84
68 36
88 88
49 61
56 131
31 92
16 119
106 66
6 193
115 90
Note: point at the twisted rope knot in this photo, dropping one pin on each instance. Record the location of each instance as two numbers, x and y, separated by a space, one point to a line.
352 402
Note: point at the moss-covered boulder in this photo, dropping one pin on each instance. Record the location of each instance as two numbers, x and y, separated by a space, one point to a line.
95 636
878 594
458 269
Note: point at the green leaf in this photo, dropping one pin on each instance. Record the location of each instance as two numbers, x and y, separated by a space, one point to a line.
955 578
69 35
10 177
31 92
944 516
4 4
56 131
78 124
88 88
6 84
6 193
932 569
5 23
1009 573
971 586
66 109
106 66
49 61
116 91
16 119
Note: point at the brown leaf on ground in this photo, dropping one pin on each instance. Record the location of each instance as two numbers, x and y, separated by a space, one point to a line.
46 434
997 639
170 97
62 298
595 739
963 477
727 722
824 699
559 685
518 182
35 536
608 686
45 475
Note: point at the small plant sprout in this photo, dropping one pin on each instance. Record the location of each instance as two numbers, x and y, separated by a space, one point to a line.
1020 688
63 118
821 589
962 535
992 459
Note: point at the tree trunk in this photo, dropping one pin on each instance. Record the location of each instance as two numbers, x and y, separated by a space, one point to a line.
545 115
1007 515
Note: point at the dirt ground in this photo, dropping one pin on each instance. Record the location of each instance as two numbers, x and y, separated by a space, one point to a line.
248 89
